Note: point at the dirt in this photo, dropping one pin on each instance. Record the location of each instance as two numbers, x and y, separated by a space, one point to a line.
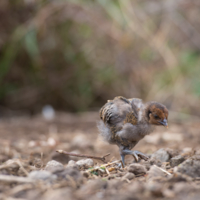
28 167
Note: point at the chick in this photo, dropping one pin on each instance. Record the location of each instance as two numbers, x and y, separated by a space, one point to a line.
125 122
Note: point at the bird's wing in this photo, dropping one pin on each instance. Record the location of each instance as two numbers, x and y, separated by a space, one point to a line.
117 114
118 111
105 112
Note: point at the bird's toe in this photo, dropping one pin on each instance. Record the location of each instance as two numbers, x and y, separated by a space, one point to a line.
141 155
135 155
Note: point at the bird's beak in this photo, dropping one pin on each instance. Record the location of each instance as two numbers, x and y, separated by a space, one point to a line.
164 123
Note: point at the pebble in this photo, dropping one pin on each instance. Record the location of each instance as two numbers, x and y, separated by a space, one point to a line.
48 112
111 176
12 165
155 172
91 187
155 188
172 152
155 161
86 163
58 193
60 157
135 187
85 174
136 169
187 151
114 184
42 175
53 166
183 188
176 160
150 162
128 176
161 155
190 167
71 163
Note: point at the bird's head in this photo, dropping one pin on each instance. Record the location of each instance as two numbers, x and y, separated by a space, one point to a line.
157 114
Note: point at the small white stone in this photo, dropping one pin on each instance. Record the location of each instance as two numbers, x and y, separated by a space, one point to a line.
86 163
51 141
54 165
48 112
71 163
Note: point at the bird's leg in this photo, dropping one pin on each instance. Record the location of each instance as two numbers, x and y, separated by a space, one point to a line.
122 158
124 152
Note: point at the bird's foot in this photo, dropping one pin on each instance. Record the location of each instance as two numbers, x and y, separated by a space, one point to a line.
137 154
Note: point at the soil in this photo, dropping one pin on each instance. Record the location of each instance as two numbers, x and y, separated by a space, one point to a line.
27 144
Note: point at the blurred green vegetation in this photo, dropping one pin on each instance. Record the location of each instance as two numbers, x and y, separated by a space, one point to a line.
76 54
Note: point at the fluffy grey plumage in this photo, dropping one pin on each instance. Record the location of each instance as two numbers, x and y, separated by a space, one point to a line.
105 132
125 122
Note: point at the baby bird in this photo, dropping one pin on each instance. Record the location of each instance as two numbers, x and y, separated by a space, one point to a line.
125 122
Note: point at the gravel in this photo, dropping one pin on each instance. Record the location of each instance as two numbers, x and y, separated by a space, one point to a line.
161 155
137 169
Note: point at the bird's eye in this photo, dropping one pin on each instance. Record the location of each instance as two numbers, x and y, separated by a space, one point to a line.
156 117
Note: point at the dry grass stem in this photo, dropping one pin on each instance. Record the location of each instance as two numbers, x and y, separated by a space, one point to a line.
81 155
162 170
7 178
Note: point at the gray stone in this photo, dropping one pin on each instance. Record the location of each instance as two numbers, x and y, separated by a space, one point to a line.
128 176
85 163
155 161
150 162
70 173
176 160
53 166
136 169
190 167
62 158
71 163
161 155
155 172
42 175
172 152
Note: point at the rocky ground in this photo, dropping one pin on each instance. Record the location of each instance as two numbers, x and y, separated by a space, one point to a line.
30 167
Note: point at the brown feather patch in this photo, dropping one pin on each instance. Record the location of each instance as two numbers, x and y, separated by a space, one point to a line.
130 118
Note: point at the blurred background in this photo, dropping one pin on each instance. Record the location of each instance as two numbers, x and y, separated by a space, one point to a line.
74 55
